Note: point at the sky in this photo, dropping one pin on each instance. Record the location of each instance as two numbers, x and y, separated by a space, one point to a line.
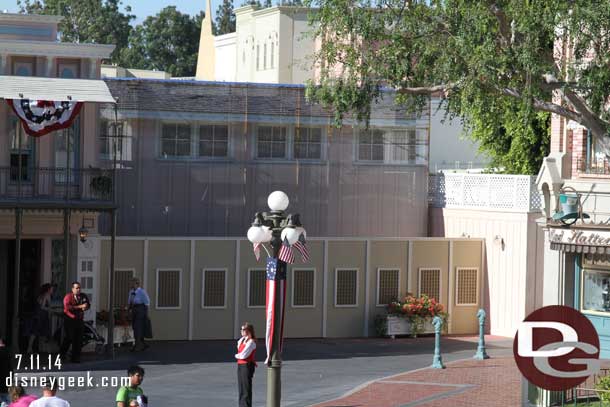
142 8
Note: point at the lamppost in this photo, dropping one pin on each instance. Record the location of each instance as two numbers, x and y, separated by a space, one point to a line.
281 231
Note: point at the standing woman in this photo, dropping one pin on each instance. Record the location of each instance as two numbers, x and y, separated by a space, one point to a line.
246 363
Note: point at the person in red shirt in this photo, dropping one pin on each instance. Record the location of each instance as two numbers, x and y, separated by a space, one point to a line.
75 305
246 363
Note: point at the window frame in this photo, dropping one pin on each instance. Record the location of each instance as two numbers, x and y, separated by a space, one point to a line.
379 270
287 144
248 288
197 151
589 268
440 281
125 141
388 146
190 156
322 143
313 269
337 269
157 272
457 283
203 271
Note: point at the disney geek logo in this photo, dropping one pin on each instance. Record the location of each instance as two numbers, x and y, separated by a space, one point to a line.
556 348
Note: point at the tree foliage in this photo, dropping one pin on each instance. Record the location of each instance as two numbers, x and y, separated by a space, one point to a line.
497 64
168 41
87 21
225 18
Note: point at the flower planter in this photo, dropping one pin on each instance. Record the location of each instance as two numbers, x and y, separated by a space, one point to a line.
402 326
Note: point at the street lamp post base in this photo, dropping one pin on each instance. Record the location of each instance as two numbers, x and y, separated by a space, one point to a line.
274 384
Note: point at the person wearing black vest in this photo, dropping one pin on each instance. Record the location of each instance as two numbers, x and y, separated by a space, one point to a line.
75 305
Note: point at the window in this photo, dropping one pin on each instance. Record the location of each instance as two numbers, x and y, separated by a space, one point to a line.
175 140
213 140
400 146
68 70
214 289
303 287
596 290
22 148
430 282
265 56
108 135
387 285
256 288
308 143
466 287
258 57
169 284
86 266
122 286
272 58
370 145
24 67
271 142
67 140
346 287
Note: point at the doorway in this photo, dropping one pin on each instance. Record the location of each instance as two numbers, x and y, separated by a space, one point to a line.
29 284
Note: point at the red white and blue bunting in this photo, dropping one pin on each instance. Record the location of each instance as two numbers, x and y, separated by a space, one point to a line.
40 117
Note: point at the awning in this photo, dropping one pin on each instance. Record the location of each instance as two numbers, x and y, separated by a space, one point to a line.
578 248
58 89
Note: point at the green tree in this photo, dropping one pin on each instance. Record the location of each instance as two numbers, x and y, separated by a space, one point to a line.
168 41
87 21
225 18
492 62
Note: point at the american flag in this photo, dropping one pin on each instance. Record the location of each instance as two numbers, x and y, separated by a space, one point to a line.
301 246
257 250
276 296
286 253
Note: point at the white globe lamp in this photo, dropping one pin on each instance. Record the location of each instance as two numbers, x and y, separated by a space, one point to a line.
290 234
278 201
256 234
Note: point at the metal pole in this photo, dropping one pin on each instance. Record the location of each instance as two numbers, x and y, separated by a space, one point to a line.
274 371
481 352
66 242
110 348
113 214
437 361
16 296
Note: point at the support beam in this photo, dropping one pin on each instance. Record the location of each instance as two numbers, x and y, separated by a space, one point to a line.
110 342
16 296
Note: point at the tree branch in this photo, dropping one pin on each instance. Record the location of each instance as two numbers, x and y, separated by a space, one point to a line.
427 90
505 30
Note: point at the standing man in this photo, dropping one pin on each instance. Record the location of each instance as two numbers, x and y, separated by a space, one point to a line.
139 301
75 305
49 398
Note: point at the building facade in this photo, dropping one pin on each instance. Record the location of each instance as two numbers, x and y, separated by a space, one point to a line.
46 183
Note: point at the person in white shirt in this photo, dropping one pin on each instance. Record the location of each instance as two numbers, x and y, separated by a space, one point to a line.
48 398
139 301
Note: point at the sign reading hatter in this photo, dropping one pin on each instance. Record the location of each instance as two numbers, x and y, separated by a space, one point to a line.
556 348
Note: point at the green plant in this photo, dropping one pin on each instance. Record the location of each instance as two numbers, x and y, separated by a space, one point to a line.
417 310
381 325
604 385
101 184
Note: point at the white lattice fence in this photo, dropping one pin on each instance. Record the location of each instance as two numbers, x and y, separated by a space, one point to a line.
484 191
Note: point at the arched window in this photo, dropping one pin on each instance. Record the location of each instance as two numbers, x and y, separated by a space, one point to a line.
258 57
265 56
272 54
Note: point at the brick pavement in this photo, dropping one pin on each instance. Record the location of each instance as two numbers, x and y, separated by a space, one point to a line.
491 382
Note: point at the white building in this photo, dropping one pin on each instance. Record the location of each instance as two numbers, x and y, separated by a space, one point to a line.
273 45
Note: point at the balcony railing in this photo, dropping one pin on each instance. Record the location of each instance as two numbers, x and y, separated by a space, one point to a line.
594 167
55 184
494 192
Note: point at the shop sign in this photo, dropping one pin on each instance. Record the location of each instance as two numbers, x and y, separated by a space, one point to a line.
582 237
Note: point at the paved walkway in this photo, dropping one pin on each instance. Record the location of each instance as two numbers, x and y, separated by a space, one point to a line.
314 372
492 382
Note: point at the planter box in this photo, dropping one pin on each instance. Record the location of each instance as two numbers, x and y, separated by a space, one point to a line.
402 326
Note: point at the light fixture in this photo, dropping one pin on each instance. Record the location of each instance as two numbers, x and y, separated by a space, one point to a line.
499 241
83 232
258 232
278 201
